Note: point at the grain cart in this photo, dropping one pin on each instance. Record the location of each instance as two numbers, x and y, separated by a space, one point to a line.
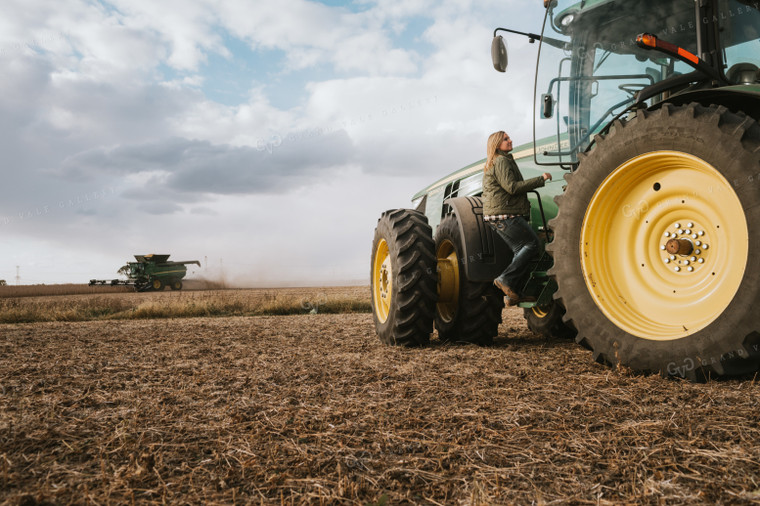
151 272
652 245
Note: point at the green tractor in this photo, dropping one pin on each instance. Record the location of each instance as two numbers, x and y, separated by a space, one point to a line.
650 110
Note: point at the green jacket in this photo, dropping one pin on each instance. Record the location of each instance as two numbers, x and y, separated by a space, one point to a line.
504 190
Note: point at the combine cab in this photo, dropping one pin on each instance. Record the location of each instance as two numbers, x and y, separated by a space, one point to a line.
152 272
650 110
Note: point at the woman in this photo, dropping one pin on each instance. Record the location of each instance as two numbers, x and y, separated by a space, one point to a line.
507 210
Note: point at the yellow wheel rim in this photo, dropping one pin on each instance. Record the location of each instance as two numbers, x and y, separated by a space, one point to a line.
541 311
382 281
664 245
157 284
448 281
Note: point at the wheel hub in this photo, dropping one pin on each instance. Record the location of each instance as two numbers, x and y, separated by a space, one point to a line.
382 281
686 249
385 277
448 281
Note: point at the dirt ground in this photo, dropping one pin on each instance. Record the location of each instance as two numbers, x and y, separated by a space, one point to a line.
314 409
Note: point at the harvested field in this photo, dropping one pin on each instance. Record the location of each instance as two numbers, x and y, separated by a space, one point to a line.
57 290
313 409
181 304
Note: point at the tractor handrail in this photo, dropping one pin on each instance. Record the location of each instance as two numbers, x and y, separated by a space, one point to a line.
543 216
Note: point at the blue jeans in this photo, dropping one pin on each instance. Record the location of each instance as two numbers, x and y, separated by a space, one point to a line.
523 241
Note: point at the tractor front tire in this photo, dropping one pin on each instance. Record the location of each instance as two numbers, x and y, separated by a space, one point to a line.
657 243
403 278
157 285
547 321
466 311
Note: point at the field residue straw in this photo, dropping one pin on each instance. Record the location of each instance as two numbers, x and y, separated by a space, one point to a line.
57 290
182 305
313 409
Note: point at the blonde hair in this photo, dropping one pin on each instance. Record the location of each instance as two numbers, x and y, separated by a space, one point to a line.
494 141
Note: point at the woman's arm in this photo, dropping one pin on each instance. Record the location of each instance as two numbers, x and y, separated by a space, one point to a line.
511 184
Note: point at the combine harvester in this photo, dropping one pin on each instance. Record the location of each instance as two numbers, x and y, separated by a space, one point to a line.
151 272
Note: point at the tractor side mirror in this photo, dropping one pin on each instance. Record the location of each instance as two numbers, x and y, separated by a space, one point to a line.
499 54
547 102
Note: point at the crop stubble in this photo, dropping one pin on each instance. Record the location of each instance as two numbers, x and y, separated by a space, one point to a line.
313 409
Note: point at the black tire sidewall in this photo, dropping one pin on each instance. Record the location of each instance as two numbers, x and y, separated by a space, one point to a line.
550 325
478 313
673 129
413 295
448 229
385 329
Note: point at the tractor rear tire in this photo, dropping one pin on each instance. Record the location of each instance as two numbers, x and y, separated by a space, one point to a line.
657 243
467 311
403 278
547 321
157 285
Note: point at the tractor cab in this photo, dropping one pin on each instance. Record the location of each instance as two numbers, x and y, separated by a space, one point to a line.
603 59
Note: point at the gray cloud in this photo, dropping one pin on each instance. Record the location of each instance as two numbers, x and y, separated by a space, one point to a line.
200 167
159 207
203 211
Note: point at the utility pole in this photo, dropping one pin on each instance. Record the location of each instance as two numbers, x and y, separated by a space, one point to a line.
18 276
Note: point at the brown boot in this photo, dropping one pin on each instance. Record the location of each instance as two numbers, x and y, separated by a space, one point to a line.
513 298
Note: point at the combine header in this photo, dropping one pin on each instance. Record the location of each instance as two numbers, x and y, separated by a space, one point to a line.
151 272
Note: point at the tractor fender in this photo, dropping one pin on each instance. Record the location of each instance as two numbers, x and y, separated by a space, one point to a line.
485 254
737 99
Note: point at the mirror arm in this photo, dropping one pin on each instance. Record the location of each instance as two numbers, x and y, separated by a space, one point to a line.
532 37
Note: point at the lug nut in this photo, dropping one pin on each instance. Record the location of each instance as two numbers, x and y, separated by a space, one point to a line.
672 257
693 259
693 236
690 224
697 251
701 260
662 247
677 225
691 269
705 246
701 232
667 234
685 262
677 269
687 231
698 243
667 260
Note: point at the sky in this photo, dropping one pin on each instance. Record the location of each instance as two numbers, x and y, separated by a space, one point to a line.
262 138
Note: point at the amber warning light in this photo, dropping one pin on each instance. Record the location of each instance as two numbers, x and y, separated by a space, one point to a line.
649 41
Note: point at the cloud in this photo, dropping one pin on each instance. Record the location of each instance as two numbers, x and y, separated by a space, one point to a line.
312 34
159 207
106 125
191 166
